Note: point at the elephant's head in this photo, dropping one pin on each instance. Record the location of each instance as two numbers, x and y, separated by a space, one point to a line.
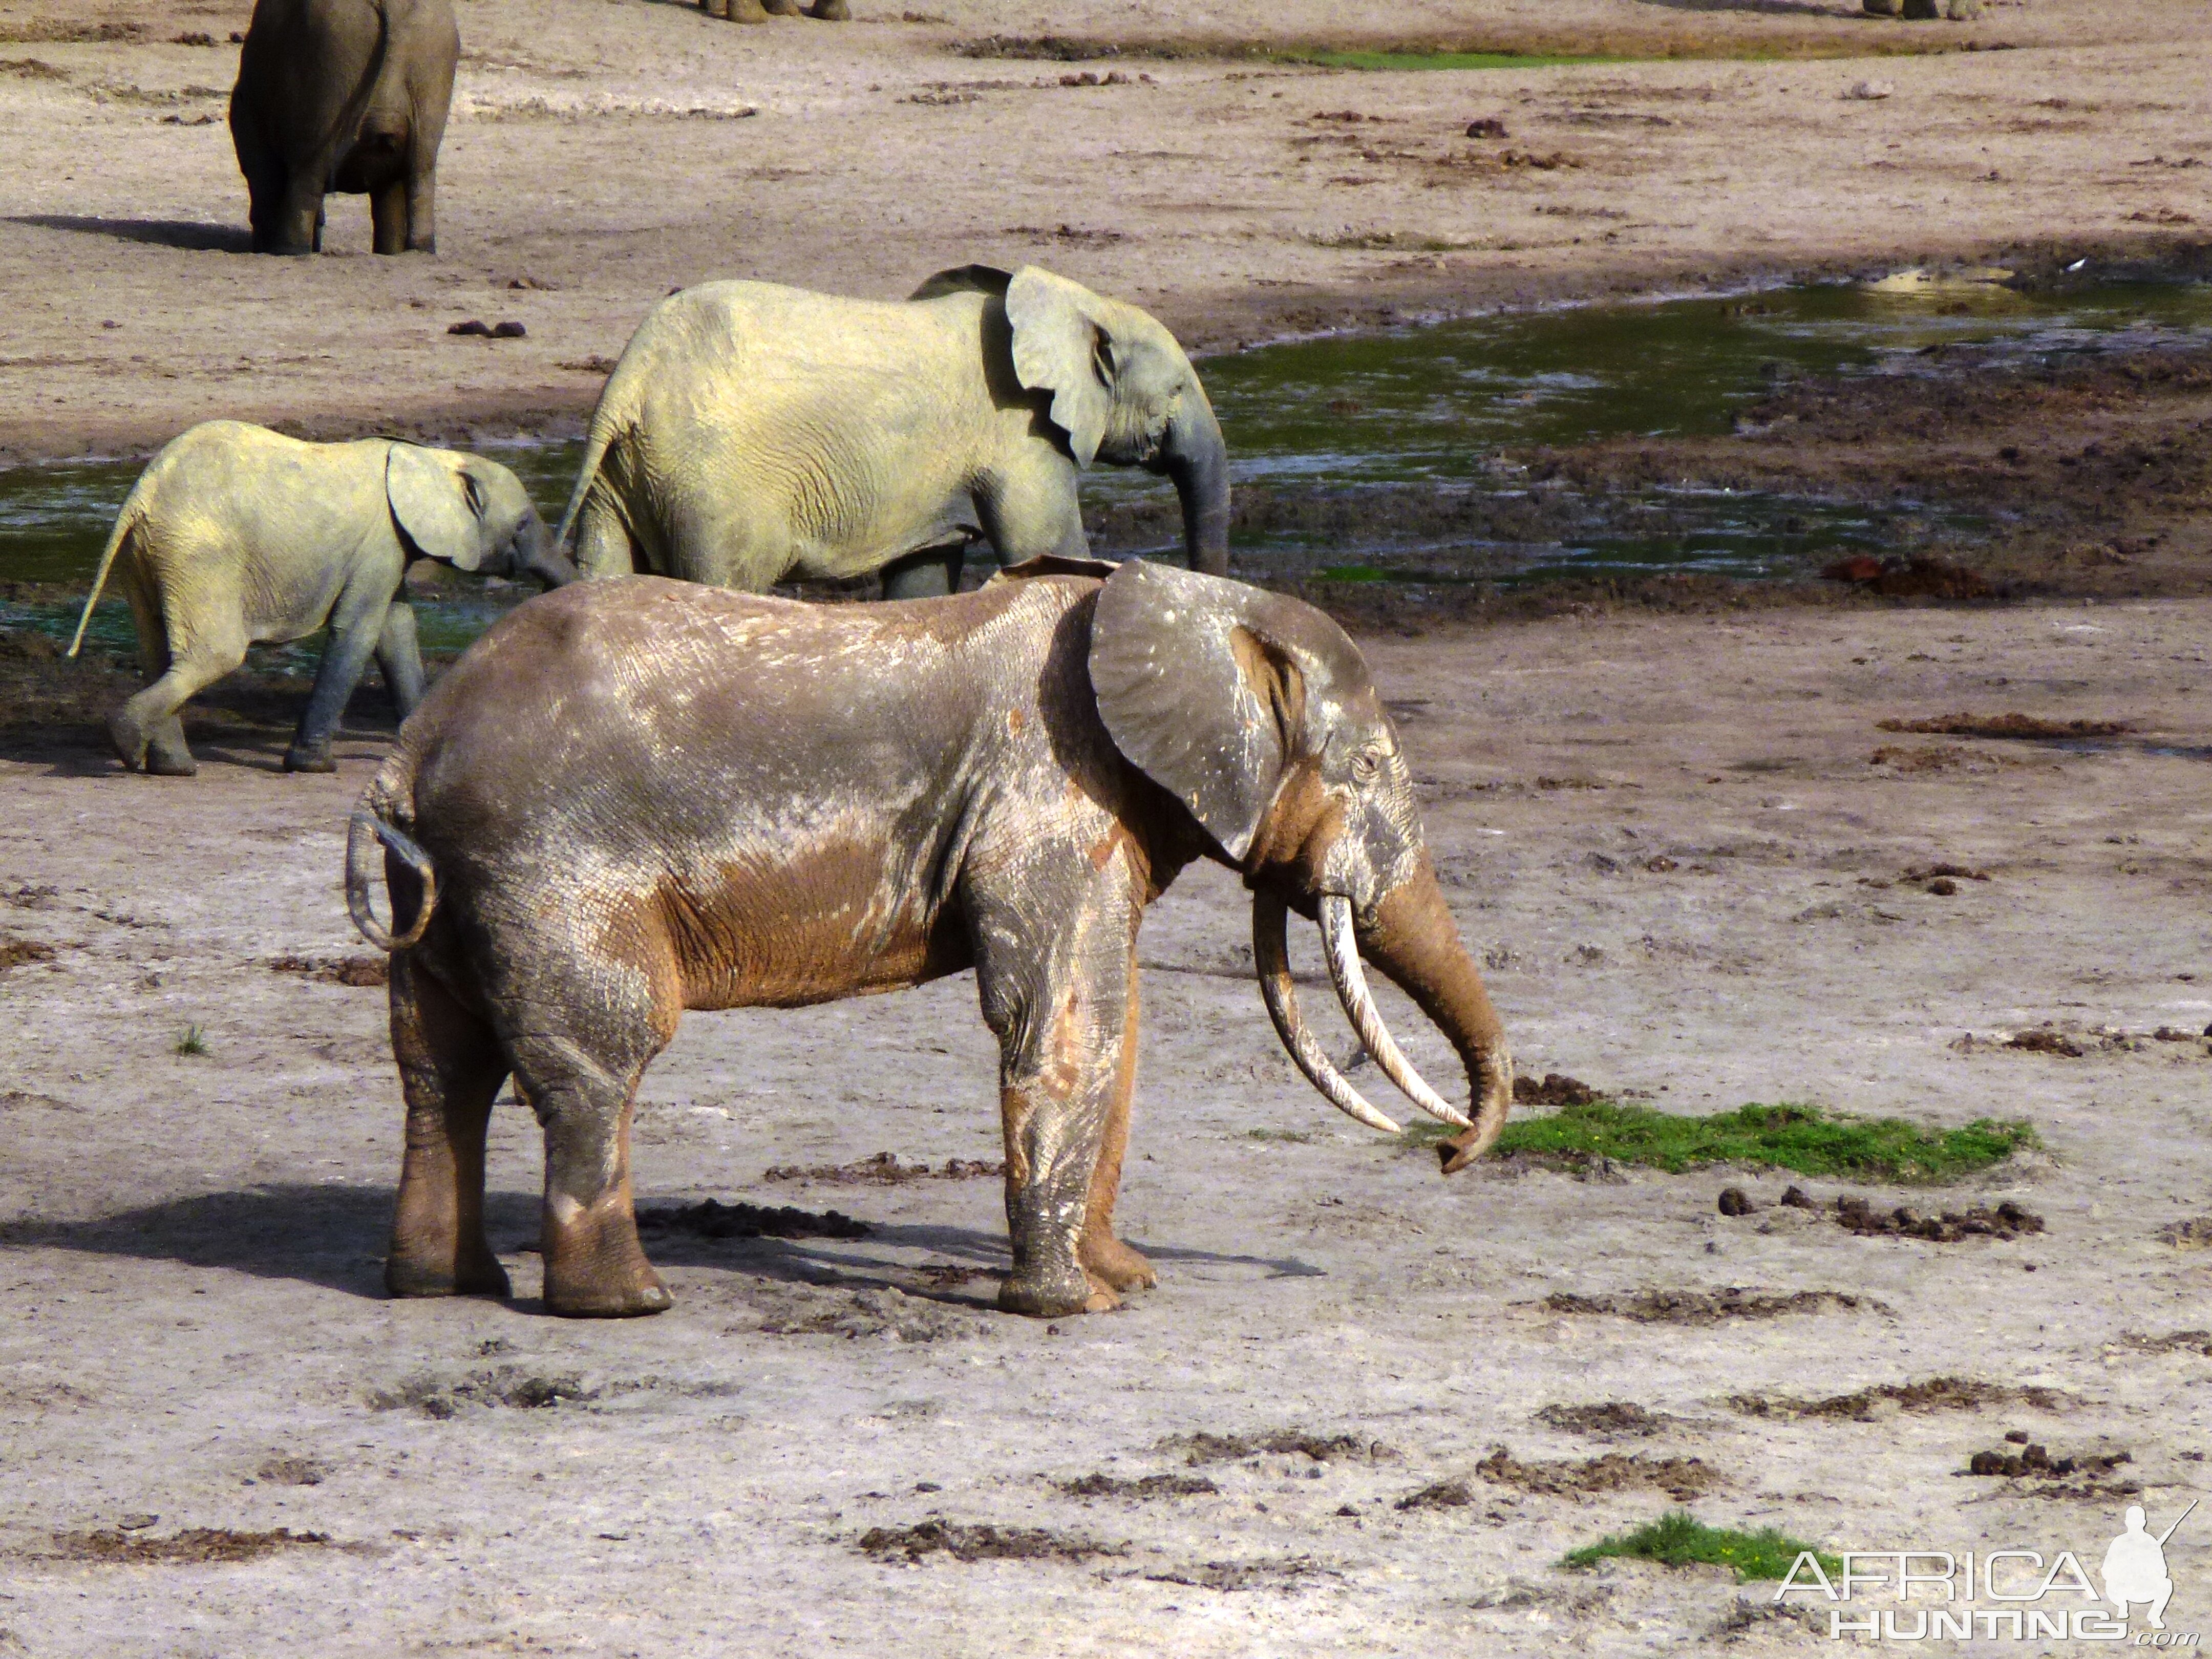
1123 392
1258 713
470 513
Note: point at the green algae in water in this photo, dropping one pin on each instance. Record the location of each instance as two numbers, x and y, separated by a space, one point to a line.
1452 60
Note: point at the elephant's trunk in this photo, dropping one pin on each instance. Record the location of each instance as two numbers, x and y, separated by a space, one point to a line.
1414 941
1196 458
537 555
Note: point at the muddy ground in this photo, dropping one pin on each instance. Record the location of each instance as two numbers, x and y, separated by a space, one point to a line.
604 151
1687 850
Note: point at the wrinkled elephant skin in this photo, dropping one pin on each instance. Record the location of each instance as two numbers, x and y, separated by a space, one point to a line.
637 796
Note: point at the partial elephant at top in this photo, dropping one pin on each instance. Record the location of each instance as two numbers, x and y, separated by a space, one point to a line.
348 96
753 433
759 11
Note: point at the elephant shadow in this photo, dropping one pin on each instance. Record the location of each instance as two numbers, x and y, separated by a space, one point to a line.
191 234
329 1234
333 1235
976 1257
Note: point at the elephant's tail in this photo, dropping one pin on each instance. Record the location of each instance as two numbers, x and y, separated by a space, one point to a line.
609 422
371 823
125 521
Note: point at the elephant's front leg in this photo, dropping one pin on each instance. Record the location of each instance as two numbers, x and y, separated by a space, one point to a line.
1055 968
356 627
399 660
1105 1257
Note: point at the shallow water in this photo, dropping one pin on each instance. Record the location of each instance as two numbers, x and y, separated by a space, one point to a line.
1426 404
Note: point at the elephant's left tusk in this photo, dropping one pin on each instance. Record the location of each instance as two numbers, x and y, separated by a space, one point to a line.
1340 944
1271 953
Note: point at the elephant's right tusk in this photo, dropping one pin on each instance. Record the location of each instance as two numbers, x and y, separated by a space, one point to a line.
1341 946
1271 953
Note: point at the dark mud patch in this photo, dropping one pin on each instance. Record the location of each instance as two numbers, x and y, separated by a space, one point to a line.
2007 1221
1608 1417
2044 1039
21 952
709 1219
981 1541
1855 1214
2194 1234
881 1311
2169 1342
1711 1307
198 1546
1922 576
506 1387
293 1472
360 972
1556 1089
1287 1572
1202 1448
2007 725
1443 1495
1681 1478
2081 1477
1150 1486
885 1169
1935 1394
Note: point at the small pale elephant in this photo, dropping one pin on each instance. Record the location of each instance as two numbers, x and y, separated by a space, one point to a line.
235 535
634 797
753 433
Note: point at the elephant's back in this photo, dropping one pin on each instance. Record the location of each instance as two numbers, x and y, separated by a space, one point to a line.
764 333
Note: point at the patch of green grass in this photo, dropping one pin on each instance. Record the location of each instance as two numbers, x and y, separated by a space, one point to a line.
1352 573
1296 1137
191 1040
1804 1138
1679 1539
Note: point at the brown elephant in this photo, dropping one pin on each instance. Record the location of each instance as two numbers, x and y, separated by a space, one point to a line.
343 95
635 796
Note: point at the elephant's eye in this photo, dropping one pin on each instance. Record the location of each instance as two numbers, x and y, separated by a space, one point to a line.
1367 763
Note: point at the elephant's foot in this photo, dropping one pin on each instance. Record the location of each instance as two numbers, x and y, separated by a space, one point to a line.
166 755
303 757
781 8
1107 1260
596 1269
830 11
1052 1297
475 1274
746 11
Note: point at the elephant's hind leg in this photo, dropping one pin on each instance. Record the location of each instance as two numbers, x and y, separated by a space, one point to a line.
581 1072
1105 1258
147 730
449 1068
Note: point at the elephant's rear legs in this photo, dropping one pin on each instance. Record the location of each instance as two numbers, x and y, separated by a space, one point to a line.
449 1068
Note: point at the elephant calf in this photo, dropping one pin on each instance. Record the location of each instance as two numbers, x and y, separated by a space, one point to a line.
345 95
635 798
235 535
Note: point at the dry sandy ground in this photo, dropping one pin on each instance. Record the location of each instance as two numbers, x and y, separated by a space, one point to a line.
601 153
1668 835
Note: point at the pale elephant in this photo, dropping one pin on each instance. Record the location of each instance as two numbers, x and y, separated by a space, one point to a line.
348 96
759 11
634 797
752 432
235 535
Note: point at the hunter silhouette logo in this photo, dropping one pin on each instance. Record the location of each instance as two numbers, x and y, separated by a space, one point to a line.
2009 1594
2134 1566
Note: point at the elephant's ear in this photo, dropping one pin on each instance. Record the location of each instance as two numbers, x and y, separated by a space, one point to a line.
436 503
1061 345
1204 684
964 279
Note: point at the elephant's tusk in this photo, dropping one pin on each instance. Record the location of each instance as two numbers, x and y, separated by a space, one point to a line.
1271 953
1342 949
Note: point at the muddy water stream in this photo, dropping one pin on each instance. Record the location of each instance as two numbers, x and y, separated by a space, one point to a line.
1425 408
